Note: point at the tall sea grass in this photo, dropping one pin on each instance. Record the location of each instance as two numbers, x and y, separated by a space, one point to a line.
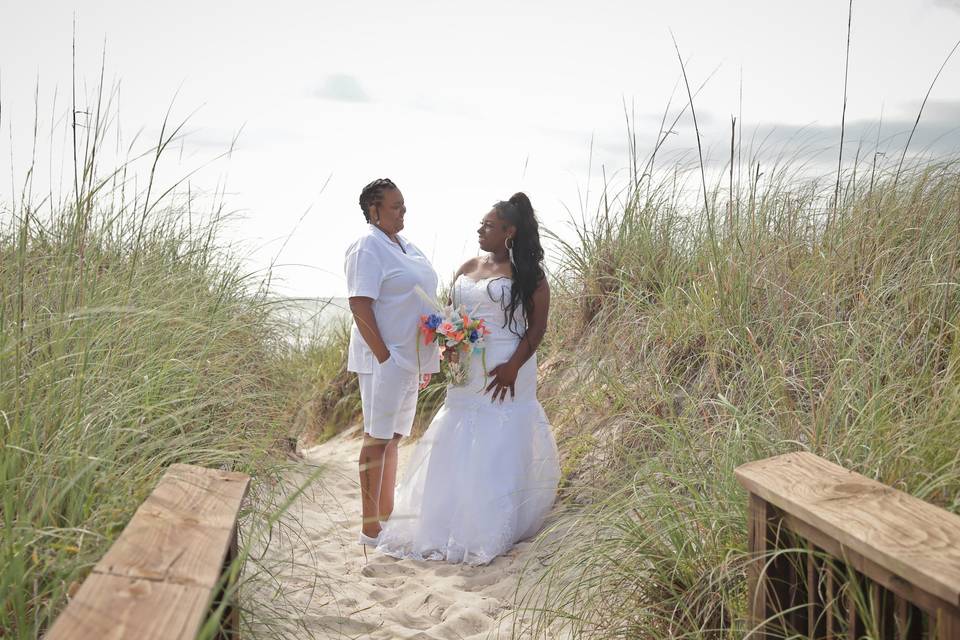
690 339
129 340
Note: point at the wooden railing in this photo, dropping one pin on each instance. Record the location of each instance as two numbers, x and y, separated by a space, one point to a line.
165 573
837 555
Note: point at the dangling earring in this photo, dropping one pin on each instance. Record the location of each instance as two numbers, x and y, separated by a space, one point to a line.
509 245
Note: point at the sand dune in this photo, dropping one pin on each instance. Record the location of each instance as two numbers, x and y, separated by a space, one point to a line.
340 593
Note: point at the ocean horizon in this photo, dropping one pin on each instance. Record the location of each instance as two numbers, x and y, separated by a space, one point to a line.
311 316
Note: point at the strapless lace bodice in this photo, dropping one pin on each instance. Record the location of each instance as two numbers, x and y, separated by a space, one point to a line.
487 298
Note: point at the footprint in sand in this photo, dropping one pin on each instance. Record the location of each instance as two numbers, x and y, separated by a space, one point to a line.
481 581
390 583
384 598
431 604
446 570
465 622
340 625
388 569
407 620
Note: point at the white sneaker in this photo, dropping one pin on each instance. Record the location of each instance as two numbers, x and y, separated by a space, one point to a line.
368 541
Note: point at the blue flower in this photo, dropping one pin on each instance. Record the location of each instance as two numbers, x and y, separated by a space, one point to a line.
433 321
474 336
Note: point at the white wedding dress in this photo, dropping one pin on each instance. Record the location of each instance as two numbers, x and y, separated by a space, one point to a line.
484 475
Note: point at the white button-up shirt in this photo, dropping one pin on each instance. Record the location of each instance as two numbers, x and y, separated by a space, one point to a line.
378 268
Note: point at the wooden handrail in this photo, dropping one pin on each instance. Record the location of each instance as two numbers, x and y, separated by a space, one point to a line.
838 555
165 571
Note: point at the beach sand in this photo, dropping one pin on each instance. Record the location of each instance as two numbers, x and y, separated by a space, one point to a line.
339 593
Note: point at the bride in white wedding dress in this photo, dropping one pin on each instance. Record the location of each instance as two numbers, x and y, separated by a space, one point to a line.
485 473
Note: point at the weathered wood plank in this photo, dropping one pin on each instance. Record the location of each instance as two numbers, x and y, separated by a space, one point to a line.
898 532
159 578
110 607
157 548
182 531
194 494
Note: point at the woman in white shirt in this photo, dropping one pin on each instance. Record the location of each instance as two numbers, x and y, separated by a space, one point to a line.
384 271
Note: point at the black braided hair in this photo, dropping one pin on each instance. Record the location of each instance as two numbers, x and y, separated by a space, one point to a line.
372 194
527 266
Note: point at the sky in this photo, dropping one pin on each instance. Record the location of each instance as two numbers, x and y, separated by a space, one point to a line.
460 104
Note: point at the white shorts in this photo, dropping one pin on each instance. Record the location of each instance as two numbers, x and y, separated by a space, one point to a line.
389 398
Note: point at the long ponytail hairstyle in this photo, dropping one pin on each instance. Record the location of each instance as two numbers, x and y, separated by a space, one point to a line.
527 255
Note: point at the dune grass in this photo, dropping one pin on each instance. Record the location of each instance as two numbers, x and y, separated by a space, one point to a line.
687 341
332 400
129 340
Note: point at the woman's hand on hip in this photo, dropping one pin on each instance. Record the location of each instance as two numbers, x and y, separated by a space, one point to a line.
504 377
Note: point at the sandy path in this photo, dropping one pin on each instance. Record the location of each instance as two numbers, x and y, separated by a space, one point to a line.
340 594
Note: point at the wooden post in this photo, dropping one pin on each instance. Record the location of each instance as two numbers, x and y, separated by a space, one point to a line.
230 622
854 596
757 581
948 625
773 581
882 611
907 620
234 611
832 604
793 588
817 609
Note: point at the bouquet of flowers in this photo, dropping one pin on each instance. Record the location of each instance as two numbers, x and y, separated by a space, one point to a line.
458 335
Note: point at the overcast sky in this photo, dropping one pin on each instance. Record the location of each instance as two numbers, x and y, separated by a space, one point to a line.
462 104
